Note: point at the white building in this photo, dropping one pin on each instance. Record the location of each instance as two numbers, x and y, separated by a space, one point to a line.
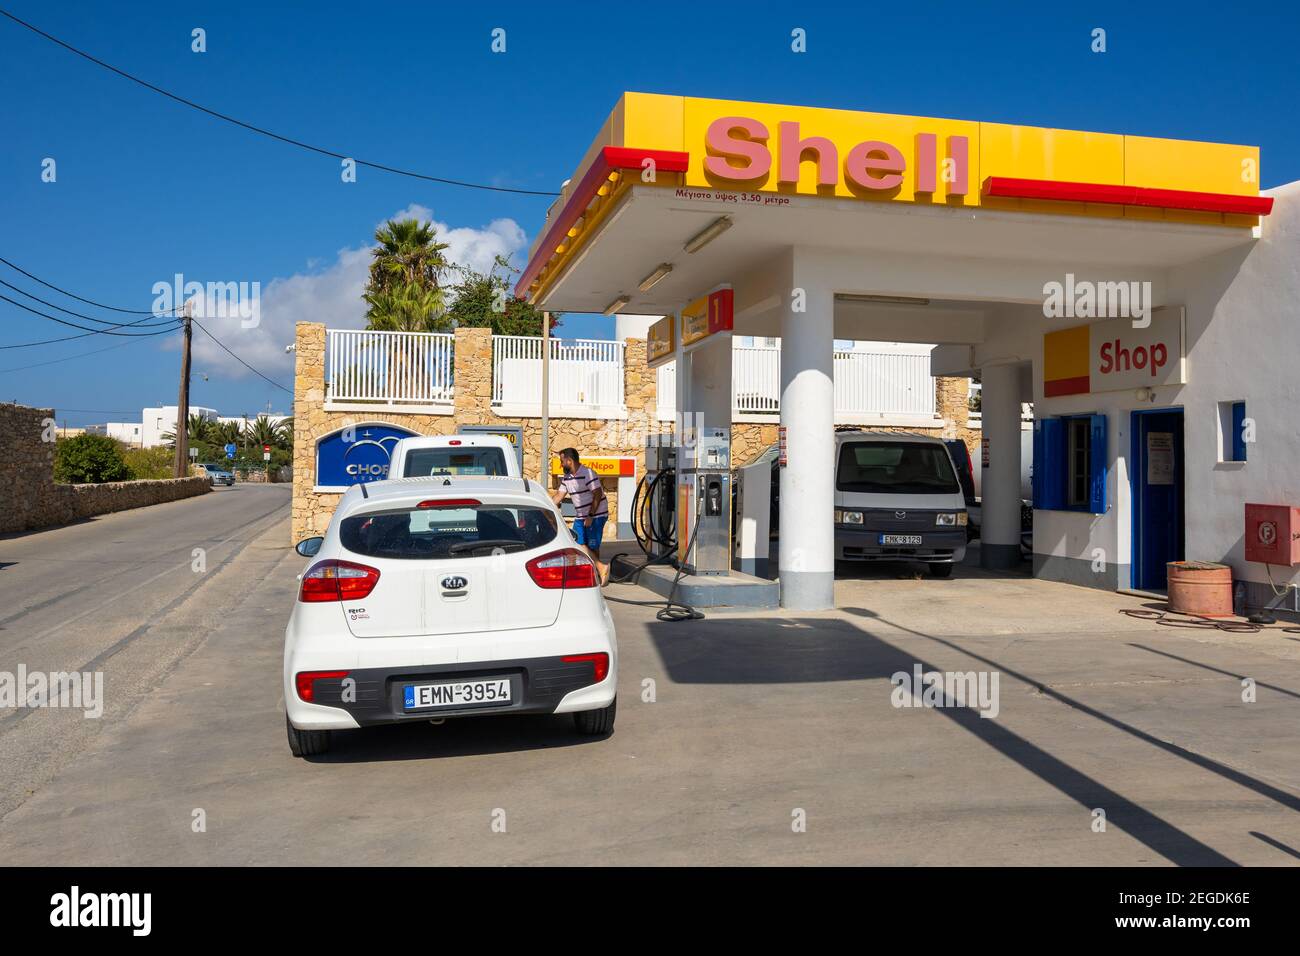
129 433
156 422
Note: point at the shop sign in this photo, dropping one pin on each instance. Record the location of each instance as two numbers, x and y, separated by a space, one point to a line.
1115 355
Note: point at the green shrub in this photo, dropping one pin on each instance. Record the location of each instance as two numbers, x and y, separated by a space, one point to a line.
146 463
89 459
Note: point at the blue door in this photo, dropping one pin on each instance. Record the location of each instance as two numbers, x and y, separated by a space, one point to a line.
1157 481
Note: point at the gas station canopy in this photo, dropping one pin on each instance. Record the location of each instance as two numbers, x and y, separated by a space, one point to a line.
667 175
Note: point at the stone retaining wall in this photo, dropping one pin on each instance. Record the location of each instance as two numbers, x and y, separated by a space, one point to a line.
31 499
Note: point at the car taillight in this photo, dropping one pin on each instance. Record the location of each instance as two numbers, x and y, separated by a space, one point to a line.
569 568
306 682
450 503
334 580
599 661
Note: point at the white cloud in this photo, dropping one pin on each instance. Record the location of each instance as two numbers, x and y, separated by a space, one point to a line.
332 296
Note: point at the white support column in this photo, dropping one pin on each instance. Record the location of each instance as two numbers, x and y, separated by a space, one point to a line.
807 535
1000 479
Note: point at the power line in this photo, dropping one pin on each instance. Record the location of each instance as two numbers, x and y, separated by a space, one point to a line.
89 331
88 318
68 358
71 295
266 132
69 338
237 358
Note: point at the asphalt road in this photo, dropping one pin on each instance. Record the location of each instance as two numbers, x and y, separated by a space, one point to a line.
126 594
757 721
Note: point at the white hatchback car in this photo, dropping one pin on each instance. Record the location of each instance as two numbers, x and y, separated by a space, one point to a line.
446 597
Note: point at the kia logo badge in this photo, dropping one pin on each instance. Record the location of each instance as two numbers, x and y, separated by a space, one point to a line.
454 583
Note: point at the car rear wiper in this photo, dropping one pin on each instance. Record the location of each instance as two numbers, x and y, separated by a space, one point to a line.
460 546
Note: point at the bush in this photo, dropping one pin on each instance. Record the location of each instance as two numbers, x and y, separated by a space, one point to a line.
150 463
89 459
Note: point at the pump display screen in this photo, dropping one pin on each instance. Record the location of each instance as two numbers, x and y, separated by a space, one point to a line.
885 467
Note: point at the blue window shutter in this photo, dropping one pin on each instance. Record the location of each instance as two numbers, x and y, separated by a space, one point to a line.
1050 465
1097 464
1036 468
1238 423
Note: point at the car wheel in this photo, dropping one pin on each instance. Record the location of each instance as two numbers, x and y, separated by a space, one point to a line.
596 723
307 743
940 570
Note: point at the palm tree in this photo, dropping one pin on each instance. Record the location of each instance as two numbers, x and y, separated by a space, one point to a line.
227 433
407 307
199 429
262 431
408 253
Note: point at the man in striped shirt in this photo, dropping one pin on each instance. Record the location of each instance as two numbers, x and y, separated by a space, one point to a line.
582 486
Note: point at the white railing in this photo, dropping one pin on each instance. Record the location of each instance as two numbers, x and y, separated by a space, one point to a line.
394 368
584 374
755 380
882 381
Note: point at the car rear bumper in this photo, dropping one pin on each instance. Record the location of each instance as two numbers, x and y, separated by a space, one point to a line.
936 547
538 685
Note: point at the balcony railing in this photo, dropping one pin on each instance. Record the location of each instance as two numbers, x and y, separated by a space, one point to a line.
389 368
586 375
884 381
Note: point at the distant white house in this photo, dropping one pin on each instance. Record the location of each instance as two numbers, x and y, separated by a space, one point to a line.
156 422
129 433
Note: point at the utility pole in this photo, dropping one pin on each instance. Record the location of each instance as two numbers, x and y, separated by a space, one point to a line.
545 477
182 463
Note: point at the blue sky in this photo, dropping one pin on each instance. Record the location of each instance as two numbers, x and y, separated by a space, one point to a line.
147 188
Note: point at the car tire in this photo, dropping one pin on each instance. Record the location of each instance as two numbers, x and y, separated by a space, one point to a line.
941 570
596 723
306 743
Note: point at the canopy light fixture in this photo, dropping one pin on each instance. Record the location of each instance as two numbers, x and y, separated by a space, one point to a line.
711 232
648 282
883 299
617 304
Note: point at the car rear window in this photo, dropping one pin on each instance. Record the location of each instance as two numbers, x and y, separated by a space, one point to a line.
437 533
454 461
885 467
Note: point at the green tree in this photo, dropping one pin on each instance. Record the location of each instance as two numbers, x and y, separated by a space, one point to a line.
227 433
201 431
262 431
407 308
89 459
485 300
407 254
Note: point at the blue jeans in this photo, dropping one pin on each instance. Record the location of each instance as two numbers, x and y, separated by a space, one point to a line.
589 531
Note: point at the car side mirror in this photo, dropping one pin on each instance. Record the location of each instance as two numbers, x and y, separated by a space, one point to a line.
309 547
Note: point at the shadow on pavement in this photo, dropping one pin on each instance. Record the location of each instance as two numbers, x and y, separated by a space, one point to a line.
789 650
457 737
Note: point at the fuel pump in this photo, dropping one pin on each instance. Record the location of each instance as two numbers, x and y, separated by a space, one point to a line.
704 503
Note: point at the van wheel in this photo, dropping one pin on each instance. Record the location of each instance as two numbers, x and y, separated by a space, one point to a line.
596 723
941 570
306 743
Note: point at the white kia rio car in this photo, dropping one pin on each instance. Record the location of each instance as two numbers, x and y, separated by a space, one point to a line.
440 597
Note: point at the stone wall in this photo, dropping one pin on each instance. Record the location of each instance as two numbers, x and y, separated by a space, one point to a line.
472 371
33 500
